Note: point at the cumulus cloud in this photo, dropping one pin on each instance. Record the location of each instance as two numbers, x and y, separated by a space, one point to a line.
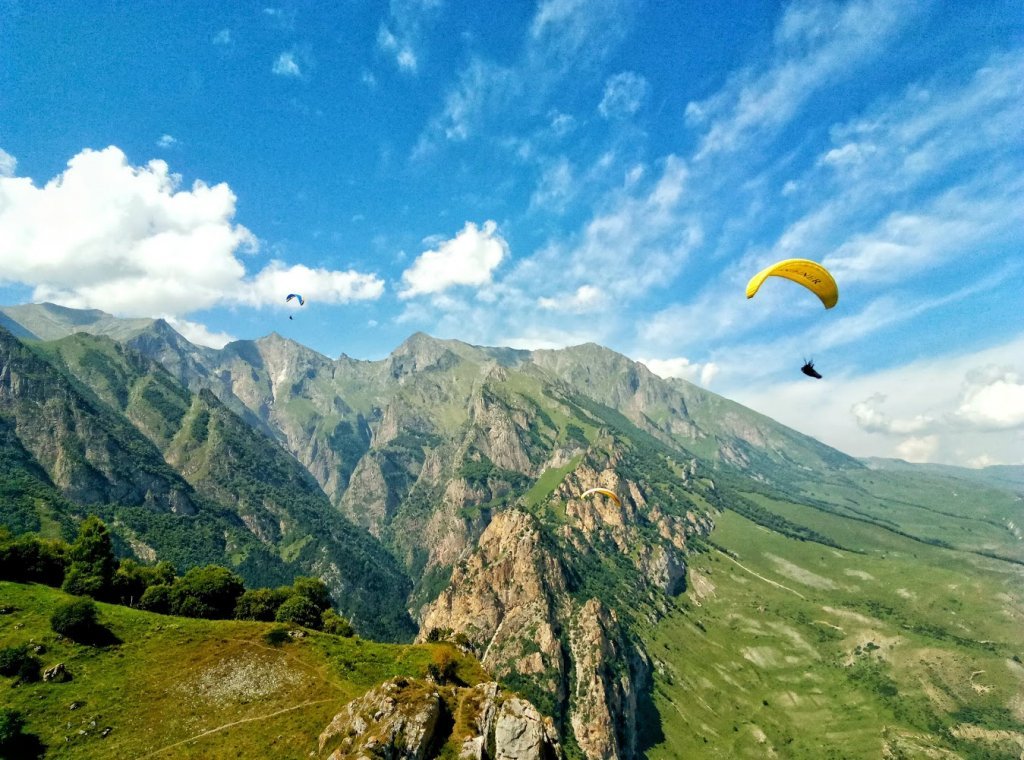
680 366
8 164
166 141
129 240
198 333
467 259
918 449
624 93
315 285
871 418
286 66
586 298
992 399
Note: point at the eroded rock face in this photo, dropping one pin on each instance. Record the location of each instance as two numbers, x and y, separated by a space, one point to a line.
510 598
407 719
396 721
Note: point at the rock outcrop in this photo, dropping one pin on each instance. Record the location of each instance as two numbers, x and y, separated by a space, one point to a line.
409 719
511 600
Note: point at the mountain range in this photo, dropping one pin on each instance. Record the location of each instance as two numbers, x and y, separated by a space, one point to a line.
752 593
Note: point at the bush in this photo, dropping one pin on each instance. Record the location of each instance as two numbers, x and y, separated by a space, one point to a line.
77 619
207 592
299 610
11 724
132 579
17 661
443 668
260 604
332 622
313 589
157 599
277 636
28 559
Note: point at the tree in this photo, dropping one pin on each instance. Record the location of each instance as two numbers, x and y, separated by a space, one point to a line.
157 598
132 579
30 559
208 592
332 622
92 561
260 604
300 610
76 619
314 589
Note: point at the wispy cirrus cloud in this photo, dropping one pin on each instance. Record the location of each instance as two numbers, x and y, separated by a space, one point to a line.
814 45
400 34
286 65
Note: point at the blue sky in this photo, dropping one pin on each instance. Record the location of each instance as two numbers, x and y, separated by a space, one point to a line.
547 174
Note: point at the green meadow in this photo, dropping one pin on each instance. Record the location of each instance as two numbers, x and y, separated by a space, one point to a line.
892 646
172 687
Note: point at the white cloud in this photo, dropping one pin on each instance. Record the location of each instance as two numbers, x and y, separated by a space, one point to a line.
315 285
166 141
962 409
918 449
287 66
126 239
223 37
696 372
8 164
405 58
813 48
586 298
402 32
555 188
198 333
624 93
872 419
467 259
992 399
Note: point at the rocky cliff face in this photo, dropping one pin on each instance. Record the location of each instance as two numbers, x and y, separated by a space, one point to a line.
513 601
408 719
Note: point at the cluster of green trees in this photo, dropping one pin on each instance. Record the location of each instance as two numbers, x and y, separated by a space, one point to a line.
88 568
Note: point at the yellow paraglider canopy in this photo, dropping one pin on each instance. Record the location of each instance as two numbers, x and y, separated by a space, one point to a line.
810 274
604 492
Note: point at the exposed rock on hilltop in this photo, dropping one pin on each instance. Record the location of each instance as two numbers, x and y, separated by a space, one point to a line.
513 601
407 719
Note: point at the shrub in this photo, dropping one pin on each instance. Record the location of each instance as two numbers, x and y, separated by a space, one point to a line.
313 589
277 636
157 598
300 610
17 661
207 592
30 559
132 579
260 604
77 619
11 724
332 622
443 668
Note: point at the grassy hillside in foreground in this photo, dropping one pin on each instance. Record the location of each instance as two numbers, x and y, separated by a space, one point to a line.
186 688
783 648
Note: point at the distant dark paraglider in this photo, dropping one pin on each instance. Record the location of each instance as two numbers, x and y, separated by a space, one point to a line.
295 296
809 370
810 274
604 492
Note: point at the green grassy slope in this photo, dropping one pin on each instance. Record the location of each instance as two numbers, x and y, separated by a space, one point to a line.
793 649
187 688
